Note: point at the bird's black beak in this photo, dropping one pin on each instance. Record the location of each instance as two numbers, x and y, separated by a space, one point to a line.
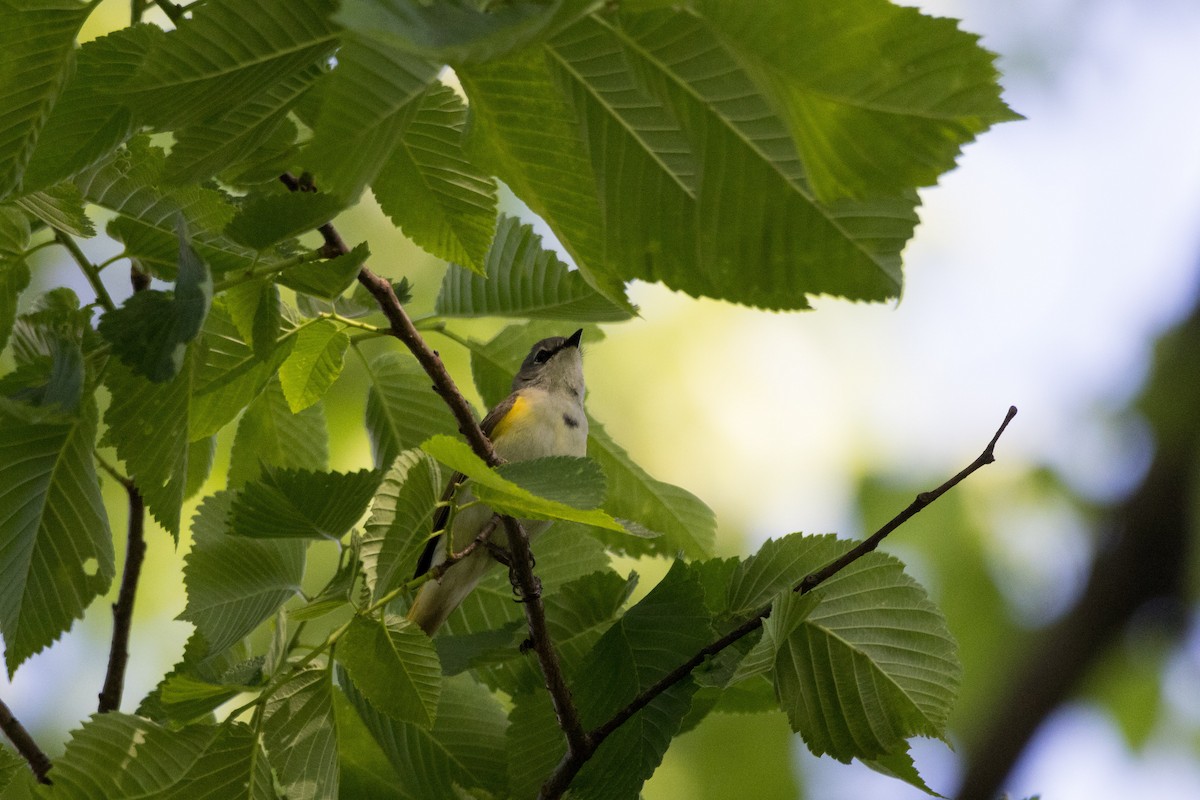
573 339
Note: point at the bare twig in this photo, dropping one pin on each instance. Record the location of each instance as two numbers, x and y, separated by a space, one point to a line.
571 763
135 554
38 761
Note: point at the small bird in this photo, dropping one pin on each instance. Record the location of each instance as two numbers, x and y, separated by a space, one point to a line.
543 416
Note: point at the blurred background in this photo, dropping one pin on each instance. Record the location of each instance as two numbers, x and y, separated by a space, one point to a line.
1045 270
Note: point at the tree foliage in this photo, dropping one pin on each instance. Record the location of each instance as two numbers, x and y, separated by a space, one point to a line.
760 154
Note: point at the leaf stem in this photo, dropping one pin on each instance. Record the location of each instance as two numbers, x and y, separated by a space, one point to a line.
88 268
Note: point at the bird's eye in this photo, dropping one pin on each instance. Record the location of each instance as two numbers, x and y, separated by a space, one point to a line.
542 356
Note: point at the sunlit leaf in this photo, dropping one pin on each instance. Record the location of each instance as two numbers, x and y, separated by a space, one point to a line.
314 363
507 497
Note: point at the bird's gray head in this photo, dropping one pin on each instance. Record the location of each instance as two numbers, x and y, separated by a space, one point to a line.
554 364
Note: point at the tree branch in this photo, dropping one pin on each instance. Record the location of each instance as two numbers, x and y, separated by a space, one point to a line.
571 763
401 326
39 762
135 554
535 614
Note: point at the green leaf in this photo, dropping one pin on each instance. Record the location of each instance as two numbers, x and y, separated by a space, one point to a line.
625 110
270 435
201 453
130 183
230 374
36 56
198 684
576 615
683 521
235 583
401 520
464 747
576 482
88 122
314 363
200 762
54 537
535 743
14 272
779 566
369 100
300 736
16 779
650 640
878 97
286 503
364 769
255 309
900 765
327 279
788 611
521 279
395 667
429 187
59 206
561 558
226 53
148 424
459 31
229 139
266 220
506 497
872 665
402 409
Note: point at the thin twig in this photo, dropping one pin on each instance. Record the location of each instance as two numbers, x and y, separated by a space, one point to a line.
571 763
38 761
118 652
88 268
539 636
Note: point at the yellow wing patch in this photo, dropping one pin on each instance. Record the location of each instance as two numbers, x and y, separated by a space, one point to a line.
519 411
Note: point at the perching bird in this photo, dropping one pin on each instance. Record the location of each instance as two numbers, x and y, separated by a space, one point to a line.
543 416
